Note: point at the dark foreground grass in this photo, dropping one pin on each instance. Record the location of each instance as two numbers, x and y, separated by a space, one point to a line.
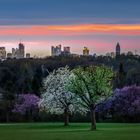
79 131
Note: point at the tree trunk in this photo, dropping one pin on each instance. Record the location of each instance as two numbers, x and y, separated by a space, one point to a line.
93 119
66 117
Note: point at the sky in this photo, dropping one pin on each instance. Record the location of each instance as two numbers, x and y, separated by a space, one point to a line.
97 24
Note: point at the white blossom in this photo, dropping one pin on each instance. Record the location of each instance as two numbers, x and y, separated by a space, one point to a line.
56 97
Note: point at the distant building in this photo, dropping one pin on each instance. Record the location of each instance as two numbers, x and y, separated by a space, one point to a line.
112 54
95 55
130 53
108 54
14 53
9 55
56 51
66 51
2 53
118 50
86 51
19 52
28 55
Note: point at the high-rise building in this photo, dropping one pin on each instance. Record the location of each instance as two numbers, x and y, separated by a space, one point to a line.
130 53
2 53
9 55
52 50
56 51
28 55
21 50
66 51
108 54
112 54
13 53
86 51
118 50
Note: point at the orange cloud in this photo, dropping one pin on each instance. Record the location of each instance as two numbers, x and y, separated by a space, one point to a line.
119 29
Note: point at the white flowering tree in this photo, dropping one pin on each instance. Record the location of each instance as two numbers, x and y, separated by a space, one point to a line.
55 98
92 85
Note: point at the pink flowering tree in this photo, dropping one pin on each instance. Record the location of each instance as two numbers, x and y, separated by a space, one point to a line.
26 104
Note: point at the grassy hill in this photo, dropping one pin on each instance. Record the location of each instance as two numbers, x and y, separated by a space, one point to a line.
79 131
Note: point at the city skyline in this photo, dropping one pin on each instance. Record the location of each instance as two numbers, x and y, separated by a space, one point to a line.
60 50
98 25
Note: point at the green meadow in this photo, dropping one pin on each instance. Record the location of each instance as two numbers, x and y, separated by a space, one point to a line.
76 131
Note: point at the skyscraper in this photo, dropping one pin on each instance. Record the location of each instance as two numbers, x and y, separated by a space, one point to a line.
28 55
118 50
21 50
85 51
9 55
56 51
13 53
66 51
2 53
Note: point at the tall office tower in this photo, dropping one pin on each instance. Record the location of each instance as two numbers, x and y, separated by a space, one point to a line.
21 51
86 51
28 55
9 55
56 51
52 51
118 50
2 53
13 53
112 54
67 50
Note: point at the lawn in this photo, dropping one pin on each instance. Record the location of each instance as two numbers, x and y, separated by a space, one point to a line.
79 131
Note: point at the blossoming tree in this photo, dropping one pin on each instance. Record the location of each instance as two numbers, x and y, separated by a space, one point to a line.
26 104
92 85
125 103
55 98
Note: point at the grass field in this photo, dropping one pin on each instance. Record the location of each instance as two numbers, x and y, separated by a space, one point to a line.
79 131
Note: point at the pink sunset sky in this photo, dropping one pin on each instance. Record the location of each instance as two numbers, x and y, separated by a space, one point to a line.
96 24
99 38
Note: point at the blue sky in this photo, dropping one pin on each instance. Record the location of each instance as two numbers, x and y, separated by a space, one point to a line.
69 11
97 24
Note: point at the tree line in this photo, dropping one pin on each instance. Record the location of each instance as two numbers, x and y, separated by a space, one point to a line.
25 76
